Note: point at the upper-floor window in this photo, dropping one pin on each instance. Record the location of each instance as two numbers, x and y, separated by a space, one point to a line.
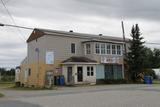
73 48
108 49
119 50
88 48
103 48
113 49
97 48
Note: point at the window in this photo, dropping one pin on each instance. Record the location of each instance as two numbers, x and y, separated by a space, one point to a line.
90 71
97 48
103 48
88 48
113 72
29 72
119 50
113 49
73 48
108 49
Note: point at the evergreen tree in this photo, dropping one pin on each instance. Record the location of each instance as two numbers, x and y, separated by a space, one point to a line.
135 56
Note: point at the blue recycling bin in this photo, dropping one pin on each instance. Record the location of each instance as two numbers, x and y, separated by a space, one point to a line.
61 80
147 79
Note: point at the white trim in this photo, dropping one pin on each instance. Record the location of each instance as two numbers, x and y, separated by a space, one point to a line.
106 49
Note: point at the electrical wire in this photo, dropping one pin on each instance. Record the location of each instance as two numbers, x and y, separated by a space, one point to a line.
152 43
10 15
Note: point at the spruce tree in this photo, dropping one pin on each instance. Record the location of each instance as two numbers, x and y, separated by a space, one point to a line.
135 55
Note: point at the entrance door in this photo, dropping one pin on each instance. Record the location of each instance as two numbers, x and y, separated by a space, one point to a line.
69 74
79 74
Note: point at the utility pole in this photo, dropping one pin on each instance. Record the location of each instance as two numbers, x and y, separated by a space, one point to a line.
124 39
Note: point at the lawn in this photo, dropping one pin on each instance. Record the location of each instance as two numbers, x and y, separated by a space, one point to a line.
6 84
156 81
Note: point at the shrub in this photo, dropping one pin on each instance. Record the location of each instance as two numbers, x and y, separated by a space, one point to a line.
112 81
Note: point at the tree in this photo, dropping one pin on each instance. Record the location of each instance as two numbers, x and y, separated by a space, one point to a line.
148 58
156 58
135 57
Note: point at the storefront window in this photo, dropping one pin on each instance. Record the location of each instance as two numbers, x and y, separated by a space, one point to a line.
113 72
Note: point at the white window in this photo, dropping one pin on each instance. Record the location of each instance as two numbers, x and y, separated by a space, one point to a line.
97 48
108 48
90 71
103 48
119 50
88 48
113 49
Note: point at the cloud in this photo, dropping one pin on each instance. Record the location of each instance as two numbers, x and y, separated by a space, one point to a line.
86 16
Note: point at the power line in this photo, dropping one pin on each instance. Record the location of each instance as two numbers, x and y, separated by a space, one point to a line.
152 43
21 36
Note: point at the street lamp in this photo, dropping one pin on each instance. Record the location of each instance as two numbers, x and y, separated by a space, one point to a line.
1 24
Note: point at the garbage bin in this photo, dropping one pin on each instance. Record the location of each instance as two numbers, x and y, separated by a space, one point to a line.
147 80
61 80
56 80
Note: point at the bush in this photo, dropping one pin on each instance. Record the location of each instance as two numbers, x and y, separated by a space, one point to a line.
1 95
150 72
7 78
112 81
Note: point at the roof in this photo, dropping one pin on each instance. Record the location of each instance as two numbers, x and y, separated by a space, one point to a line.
38 32
79 59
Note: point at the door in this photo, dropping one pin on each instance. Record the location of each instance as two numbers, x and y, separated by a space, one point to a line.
49 79
69 74
79 74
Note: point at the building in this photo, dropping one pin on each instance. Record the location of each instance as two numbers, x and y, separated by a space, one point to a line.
81 58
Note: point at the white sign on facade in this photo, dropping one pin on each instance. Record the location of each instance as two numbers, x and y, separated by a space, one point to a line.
110 60
49 57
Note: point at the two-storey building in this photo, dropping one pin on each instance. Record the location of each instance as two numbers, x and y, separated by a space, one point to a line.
80 58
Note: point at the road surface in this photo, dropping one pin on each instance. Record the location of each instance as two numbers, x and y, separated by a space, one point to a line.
90 96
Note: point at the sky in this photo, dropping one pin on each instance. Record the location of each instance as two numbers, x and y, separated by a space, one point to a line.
83 16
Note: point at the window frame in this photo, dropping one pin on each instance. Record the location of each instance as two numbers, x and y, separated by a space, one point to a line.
88 49
97 49
103 49
90 71
119 51
73 49
114 49
108 49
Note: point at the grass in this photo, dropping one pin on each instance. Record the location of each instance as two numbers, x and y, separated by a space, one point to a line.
11 85
6 84
1 95
156 81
